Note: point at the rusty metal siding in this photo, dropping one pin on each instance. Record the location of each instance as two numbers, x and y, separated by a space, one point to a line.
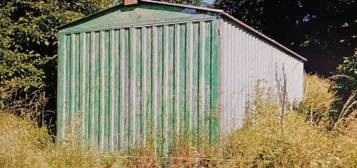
136 83
245 60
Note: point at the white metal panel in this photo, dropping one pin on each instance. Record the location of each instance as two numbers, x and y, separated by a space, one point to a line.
245 60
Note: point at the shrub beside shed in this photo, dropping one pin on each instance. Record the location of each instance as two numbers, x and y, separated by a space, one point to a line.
153 70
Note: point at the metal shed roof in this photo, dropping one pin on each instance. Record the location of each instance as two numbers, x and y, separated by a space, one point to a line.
218 11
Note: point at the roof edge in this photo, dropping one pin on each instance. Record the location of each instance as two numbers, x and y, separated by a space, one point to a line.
89 16
219 11
184 6
145 1
277 44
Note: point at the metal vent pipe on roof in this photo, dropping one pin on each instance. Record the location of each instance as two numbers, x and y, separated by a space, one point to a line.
130 2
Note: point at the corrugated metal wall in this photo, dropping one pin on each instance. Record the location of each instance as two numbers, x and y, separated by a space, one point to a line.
244 60
131 84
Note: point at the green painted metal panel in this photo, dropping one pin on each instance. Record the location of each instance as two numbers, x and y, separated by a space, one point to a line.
136 84
61 92
214 114
137 16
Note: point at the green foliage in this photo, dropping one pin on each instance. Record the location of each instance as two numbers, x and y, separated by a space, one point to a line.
86 7
345 86
250 12
28 43
190 2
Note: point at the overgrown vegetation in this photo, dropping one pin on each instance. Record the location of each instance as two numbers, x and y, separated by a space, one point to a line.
23 144
299 141
316 107
28 48
263 141
345 87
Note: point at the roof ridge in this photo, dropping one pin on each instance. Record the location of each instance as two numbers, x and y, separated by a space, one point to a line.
219 11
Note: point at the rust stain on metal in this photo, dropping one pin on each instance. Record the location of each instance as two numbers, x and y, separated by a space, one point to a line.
130 2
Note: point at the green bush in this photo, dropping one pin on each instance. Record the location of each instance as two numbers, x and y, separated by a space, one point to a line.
28 45
345 86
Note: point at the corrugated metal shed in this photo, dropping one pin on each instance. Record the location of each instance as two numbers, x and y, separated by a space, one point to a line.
159 71
245 59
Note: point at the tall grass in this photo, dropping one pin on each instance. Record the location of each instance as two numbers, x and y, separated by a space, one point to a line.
264 141
23 144
316 106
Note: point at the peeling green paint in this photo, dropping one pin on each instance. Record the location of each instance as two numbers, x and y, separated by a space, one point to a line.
136 83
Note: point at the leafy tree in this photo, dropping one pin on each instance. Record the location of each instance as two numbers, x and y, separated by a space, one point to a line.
190 2
28 47
345 86
86 7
